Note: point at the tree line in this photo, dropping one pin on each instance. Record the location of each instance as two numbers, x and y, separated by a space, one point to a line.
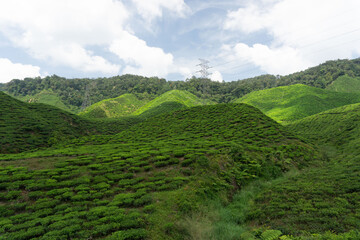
72 91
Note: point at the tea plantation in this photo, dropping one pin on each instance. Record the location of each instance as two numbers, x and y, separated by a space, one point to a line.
144 181
123 105
290 103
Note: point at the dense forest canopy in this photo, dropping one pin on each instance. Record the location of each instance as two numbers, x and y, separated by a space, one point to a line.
72 91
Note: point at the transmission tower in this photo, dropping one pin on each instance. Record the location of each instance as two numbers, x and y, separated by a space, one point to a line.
204 64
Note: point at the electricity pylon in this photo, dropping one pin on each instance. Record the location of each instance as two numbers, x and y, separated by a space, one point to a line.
204 64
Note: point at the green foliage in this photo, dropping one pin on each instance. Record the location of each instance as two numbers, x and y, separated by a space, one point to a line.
345 84
290 103
72 91
338 127
47 96
123 105
183 97
125 185
271 235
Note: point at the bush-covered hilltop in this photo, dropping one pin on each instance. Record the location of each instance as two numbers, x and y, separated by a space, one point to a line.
25 126
129 104
289 103
145 181
72 92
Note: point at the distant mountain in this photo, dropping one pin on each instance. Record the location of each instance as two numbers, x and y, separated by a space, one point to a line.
183 97
290 103
123 105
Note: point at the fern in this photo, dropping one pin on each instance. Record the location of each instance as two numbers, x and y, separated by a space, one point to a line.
271 234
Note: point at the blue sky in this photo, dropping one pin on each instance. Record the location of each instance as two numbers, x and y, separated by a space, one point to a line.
165 38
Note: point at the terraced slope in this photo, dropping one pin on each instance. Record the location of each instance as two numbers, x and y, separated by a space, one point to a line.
345 84
183 97
143 182
123 105
290 103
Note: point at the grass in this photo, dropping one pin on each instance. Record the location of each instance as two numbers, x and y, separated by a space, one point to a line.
291 103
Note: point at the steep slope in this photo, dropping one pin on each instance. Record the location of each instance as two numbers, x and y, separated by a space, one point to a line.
182 97
24 126
123 105
142 182
290 103
345 84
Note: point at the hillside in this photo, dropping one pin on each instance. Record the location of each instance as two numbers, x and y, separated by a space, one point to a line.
345 84
27 126
183 97
290 103
47 97
339 127
324 197
24 125
123 105
144 182
165 107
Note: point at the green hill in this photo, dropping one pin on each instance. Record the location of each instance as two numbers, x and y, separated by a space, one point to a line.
146 181
28 125
324 197
182 97
165 107
123 105
47 97
345 84
338 127
290 103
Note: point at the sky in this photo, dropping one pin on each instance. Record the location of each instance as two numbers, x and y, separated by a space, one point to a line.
166 38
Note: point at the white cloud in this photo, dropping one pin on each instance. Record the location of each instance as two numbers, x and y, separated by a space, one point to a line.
66 33
61 31
10 70
282 60
216 76
140 58
151 9
304 32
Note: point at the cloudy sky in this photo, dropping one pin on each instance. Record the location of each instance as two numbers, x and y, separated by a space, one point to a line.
165 38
